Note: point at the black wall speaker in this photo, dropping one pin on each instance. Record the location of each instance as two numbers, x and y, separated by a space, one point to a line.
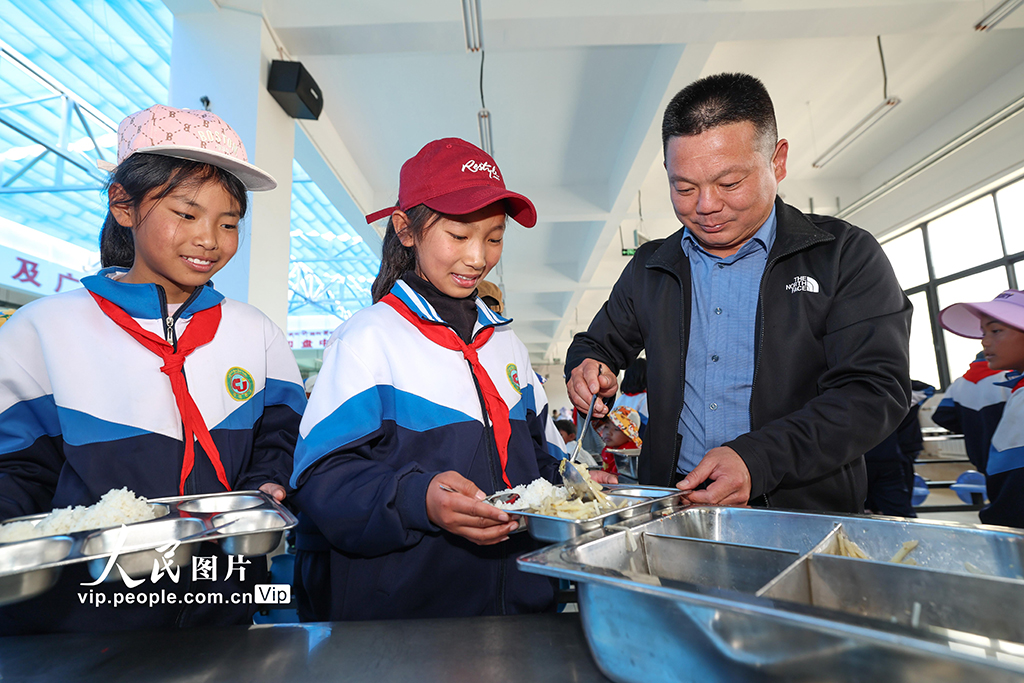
295 90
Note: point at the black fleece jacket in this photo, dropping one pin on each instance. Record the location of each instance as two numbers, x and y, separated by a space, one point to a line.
831 373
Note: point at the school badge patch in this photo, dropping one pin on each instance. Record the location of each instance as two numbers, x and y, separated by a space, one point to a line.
240 384
512 372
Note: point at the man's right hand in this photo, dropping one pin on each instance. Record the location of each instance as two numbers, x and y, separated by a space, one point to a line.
585 381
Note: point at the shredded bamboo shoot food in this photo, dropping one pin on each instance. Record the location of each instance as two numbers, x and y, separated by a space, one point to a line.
847 548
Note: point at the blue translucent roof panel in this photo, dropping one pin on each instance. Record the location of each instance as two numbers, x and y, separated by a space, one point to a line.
112 58
114 55
331 267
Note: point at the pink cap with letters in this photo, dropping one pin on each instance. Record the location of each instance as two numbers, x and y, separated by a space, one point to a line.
192 134
965 319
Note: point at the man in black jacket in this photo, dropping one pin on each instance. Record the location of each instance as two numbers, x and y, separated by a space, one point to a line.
777 342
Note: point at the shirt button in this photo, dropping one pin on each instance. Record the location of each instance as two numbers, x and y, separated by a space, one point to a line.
718 311
721 265
713 406
714 359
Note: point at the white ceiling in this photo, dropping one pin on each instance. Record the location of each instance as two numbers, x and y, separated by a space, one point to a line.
576 89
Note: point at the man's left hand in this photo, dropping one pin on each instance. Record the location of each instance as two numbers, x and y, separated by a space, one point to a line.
729 477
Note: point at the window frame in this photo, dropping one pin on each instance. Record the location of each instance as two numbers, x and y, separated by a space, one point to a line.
931 287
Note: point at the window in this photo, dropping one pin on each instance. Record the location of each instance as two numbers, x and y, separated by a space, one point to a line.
922 345
983 286
906 254
1011 215
968 236
965 249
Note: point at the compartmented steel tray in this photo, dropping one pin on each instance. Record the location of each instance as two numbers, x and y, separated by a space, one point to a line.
727 594
639 500
249 523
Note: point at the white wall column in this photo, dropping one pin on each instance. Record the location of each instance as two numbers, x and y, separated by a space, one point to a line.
225 55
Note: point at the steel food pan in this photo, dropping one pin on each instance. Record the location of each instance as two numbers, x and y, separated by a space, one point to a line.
897 593
20 574
551 529
676 598
247 523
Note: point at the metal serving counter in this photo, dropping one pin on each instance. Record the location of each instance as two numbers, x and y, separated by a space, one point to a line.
531 649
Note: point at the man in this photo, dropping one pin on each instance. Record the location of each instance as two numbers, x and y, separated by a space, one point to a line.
777 341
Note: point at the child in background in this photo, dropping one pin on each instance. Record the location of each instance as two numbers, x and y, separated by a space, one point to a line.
567 430
425 404
113 384
619 429
1000 326
972 406
634 391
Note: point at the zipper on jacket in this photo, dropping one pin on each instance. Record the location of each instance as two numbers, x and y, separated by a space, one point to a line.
170 334
760 334
170 319
492 454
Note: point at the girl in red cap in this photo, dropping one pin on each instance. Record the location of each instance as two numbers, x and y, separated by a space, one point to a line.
148 378
426 403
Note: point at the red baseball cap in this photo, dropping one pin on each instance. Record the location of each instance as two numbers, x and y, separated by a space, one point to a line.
455 177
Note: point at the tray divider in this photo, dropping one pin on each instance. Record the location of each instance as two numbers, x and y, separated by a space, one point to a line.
801 563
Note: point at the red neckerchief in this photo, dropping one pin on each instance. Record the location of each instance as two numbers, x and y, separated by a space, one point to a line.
978 371
200 331
444 336
1018 385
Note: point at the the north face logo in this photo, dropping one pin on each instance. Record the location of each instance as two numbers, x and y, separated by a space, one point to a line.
803 283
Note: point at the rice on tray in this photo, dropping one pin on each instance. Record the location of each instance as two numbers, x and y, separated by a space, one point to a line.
543 497
117 506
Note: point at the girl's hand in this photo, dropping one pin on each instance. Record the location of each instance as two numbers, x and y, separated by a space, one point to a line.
463 514
275 490
602 477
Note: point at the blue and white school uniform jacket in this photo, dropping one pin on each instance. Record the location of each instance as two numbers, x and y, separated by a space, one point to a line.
1004 479
391 410
85 408
972 406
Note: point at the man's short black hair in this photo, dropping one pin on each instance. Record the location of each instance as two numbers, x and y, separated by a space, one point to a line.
719 100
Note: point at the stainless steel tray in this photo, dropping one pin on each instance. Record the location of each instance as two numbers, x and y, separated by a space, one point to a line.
727 594
249 523
626 462
640 500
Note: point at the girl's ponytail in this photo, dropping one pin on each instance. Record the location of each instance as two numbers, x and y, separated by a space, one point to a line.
117 248
396 258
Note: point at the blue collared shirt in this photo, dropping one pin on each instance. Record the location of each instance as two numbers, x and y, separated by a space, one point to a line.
720 352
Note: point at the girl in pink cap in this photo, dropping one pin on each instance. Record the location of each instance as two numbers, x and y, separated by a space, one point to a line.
425 404
147 377
1000 326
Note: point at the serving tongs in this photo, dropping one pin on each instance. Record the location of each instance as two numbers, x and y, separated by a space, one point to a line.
575 484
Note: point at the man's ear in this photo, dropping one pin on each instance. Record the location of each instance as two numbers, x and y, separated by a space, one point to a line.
779 160
119 208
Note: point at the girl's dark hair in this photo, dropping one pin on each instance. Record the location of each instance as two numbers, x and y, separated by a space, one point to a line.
634 380
140 174
396 258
